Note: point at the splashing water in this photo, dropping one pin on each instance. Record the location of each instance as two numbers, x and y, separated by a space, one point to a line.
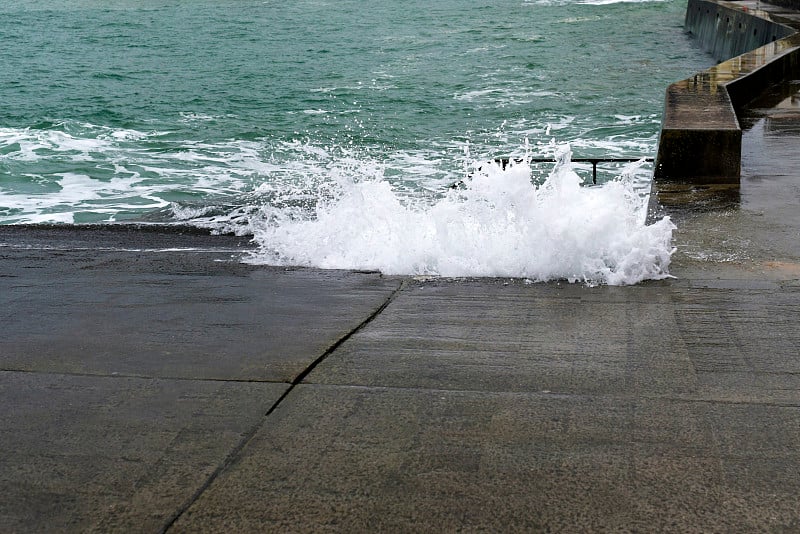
499 224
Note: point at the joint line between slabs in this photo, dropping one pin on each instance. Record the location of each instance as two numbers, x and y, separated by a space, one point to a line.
234 455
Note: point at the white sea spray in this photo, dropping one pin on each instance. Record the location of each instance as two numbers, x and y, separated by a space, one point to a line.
499 224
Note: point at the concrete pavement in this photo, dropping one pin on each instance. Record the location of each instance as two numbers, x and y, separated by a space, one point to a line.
151 382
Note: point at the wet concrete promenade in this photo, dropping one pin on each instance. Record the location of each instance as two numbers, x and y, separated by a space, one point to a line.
151 382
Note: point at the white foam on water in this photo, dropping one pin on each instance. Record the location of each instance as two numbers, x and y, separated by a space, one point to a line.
609 2
111 170
503 96
551 3
31 142
188 117
499 224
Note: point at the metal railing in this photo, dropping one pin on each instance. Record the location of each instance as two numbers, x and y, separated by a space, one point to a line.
504 162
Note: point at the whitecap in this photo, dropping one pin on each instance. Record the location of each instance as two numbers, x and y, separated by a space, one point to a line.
609 2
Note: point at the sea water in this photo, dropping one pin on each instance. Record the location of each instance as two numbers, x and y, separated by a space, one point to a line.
350 134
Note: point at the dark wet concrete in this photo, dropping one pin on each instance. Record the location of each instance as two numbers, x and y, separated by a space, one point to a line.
184 315
107 453
131 372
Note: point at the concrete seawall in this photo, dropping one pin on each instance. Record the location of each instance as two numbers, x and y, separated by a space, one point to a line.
727 31
701 137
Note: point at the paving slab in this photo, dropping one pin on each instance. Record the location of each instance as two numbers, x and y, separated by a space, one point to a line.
195 312
668 338
115 454
511 336
358 459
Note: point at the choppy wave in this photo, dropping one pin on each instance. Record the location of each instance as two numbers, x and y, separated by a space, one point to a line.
72 173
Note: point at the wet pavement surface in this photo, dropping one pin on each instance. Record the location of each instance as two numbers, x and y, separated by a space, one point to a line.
183 391
152 382
753 226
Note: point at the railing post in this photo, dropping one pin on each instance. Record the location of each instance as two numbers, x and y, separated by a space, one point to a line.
504 162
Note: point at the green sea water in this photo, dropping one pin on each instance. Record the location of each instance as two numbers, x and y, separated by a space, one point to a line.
170 110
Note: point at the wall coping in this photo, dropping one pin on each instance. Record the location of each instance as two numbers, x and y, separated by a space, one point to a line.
700 140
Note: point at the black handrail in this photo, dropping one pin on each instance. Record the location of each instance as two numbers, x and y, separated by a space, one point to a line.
504 162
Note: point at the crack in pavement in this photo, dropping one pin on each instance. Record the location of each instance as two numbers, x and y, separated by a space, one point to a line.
235 454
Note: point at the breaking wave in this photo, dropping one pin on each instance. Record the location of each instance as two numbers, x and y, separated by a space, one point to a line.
497 223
